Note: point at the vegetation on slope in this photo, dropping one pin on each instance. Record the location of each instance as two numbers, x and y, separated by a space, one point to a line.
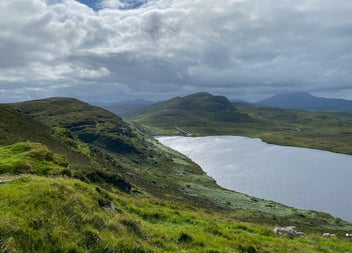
28 157
320 130
163 202
151 167
114 148
41 214
87 123
202 108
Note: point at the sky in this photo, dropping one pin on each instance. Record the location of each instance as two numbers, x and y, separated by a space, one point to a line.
113 50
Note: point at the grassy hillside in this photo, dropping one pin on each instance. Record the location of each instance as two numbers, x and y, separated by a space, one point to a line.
162 201
17 127
114 147
41 214
321 130
28 157
149 166
87 123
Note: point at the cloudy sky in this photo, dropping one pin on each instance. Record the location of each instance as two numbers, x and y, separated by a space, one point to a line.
111 50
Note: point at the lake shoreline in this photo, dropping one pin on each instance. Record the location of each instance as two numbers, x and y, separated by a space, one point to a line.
301 177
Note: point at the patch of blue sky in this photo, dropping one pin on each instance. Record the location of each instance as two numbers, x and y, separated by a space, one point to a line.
94 4
132 4
49 2
99 4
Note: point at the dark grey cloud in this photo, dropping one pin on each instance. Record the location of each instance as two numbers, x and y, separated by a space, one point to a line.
161 48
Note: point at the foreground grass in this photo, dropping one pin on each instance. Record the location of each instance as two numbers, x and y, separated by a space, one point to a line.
41 214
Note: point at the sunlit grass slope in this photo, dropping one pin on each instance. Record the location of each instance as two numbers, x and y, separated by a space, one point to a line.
29 157
43 214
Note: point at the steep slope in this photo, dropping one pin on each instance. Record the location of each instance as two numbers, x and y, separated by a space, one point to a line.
306 101
147 166
87 123
117 149
16 127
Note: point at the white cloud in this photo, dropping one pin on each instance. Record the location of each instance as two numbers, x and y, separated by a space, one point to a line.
171 47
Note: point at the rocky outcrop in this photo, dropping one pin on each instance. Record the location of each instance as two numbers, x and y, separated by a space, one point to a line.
111 207
289 232
329 235
4 181
108 177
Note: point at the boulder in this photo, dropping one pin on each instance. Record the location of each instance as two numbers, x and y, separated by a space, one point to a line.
329 235
289 232
4 181
111 207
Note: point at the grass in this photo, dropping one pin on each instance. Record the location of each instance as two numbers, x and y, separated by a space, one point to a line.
29 157
89 124
151 167
41 214
170 204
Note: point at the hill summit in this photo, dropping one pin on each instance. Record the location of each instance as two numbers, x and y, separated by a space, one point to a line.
205 102
196 110
306 101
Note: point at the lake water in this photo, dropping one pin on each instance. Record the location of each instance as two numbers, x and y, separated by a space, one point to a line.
299 177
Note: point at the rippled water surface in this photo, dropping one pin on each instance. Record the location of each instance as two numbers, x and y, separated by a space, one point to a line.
299 177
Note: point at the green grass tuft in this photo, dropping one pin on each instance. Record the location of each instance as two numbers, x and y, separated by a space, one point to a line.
29 157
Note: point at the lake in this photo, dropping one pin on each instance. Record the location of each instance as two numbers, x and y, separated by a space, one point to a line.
299 177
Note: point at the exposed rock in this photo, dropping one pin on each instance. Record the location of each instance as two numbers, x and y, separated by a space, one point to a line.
123 185
289 232
4 181
104 176
111 207
329 235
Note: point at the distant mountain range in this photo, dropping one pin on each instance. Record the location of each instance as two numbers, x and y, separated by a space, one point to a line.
202 100
307 102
